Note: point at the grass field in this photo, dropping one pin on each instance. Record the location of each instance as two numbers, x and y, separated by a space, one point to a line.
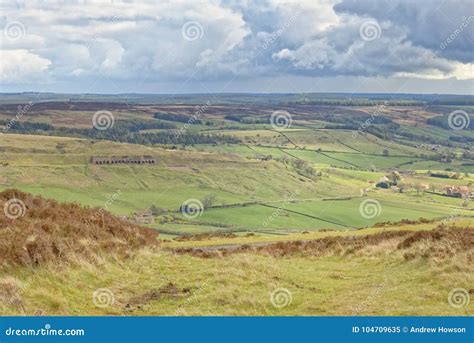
377 280
61 170
296 211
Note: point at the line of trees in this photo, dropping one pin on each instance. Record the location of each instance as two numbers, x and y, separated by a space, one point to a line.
176 117
443 121
127 132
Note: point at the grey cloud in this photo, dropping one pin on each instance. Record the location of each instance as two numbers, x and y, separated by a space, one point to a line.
341 51
142 42
428 23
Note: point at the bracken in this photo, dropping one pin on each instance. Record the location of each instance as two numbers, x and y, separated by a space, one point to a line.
52 231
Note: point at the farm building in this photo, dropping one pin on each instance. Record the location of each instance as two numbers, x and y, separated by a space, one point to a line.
145 217
458 192
384 182
146 159
440 175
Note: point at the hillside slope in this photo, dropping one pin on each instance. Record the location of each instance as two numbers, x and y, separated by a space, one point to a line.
246 191
62 259
36 231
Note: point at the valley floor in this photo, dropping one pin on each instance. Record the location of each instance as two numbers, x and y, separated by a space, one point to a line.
321 218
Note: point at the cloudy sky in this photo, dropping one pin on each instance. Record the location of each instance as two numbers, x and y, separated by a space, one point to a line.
238 46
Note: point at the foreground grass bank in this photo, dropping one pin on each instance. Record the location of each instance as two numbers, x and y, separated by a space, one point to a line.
405 274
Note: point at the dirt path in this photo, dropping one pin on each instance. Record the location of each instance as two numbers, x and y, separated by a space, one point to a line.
234 246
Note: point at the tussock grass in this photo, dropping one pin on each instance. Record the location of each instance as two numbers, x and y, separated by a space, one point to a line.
380 271
375 279
40 231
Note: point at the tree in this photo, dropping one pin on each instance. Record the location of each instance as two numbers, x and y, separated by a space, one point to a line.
208 200
395 177
419 187
156 211
403 186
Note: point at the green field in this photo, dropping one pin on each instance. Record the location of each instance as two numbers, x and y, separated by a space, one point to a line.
252 189
332 216
243 283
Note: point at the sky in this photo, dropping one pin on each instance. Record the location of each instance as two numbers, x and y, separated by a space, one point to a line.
263 46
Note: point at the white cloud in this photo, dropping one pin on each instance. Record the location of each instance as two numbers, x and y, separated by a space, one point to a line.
460 71
137 41
22 66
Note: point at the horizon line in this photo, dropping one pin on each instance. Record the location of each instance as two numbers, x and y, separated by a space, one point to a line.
239 93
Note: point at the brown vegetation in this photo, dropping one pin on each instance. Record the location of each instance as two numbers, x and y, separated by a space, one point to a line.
441 243
206 236
51 231
170 290
405 222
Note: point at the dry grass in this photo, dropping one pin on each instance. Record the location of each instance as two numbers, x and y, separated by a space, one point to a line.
404 271
48 231
10 289
441 242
